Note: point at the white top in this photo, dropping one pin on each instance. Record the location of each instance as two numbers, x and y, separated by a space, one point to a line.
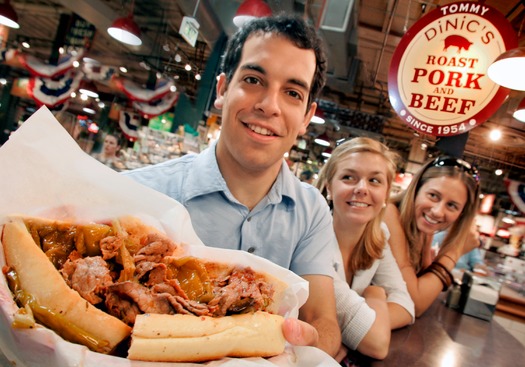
385 273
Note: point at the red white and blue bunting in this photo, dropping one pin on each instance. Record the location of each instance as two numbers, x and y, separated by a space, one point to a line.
156 107
98 72
39 68
53 91
137 93
129 122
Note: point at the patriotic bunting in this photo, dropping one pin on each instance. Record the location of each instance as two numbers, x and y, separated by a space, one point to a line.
156 107
38 68
140 94
129 122
56 91
98 72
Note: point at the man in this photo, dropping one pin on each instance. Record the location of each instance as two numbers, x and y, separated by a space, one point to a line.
240 193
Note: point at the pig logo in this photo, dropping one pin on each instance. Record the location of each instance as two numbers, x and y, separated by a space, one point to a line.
458 41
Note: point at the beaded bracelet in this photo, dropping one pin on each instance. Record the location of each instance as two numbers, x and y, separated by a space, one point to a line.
440 277
445 271
442 273
451 259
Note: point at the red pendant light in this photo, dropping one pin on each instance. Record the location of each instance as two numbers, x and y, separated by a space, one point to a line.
250 9
8 16
507 69
519 114
323 140
125 30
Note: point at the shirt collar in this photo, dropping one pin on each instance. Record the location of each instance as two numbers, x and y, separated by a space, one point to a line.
204 178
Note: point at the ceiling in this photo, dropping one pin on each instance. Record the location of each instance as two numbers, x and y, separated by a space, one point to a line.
359 58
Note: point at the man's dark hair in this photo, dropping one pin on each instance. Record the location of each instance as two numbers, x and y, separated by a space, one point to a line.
293 28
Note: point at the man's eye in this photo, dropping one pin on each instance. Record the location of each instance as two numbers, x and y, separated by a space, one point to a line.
251 80
295 94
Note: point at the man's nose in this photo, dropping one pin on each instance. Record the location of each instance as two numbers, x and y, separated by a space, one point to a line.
269 103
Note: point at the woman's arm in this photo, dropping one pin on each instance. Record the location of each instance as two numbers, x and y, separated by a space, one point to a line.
364 322
389 277
377 341
424 289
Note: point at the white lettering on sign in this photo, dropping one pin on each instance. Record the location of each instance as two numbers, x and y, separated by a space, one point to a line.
474 8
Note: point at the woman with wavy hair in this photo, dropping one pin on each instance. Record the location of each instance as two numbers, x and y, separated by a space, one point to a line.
443 195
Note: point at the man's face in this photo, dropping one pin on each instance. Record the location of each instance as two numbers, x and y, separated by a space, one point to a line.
264 106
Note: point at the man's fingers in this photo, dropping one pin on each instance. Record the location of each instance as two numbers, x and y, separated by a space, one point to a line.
298 332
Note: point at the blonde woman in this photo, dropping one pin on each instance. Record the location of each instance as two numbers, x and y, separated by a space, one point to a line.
356 181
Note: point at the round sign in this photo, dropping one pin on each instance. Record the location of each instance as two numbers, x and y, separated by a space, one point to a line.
438 81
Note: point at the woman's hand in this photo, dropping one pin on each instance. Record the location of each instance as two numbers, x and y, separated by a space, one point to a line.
471 242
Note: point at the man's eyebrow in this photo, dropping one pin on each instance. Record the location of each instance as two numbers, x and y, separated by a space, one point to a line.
254 67
260 69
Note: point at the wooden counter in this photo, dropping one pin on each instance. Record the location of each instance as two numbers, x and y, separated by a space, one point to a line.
511 302
445 337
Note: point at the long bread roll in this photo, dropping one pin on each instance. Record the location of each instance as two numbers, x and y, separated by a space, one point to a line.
189 338
39 278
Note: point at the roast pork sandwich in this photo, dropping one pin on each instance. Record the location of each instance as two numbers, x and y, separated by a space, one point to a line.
125 286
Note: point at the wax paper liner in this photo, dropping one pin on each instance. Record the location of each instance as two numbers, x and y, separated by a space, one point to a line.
45 173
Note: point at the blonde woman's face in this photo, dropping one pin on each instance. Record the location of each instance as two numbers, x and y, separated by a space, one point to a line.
359 188
439 203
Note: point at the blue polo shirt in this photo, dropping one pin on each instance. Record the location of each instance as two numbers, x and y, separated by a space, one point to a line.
291 226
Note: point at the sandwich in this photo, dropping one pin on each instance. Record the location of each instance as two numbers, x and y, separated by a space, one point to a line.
122 287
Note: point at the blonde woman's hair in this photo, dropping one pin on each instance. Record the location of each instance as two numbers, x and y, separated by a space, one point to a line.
372 242
405 201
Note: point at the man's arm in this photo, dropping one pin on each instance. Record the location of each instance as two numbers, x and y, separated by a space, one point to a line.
319 311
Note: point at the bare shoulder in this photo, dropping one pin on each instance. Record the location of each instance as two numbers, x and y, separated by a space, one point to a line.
391 214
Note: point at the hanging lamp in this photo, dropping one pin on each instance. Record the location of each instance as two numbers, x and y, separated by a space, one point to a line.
519 114
8 16
507 69
323 140
327 153
88 88
250 9
318 118
125 29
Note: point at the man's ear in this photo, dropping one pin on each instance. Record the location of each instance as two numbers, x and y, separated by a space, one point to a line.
307 118
221 87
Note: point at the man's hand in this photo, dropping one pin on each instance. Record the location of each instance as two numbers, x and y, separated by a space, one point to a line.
298 332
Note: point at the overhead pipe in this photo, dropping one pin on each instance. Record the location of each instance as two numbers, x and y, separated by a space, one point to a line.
387 33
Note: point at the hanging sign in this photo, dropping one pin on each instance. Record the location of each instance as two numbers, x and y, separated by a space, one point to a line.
81 33
189 30
438 81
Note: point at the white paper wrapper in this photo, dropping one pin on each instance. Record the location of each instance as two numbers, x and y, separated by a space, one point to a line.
45 173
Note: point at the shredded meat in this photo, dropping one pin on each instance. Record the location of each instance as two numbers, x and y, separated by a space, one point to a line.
89 276
128 297
243 290
153 286
110 247
155 249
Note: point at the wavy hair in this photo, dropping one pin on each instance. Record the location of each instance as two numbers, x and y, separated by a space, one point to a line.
371 244
458 232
